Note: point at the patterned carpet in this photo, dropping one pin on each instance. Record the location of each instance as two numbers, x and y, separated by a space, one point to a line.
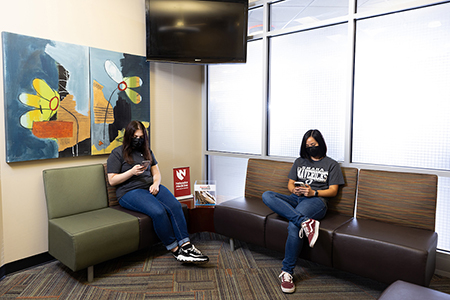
249 272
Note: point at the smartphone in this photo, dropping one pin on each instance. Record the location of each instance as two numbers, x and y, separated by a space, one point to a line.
299 183
145 163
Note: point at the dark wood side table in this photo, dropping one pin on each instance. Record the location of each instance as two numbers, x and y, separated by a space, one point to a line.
189 202
201 219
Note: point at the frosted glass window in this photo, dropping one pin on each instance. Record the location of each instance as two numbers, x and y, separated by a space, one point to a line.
367 5
402 90
229 174
255 21
308 89
442 213
291 13
235 104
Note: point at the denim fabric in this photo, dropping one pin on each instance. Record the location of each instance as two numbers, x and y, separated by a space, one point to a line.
165 211
296 209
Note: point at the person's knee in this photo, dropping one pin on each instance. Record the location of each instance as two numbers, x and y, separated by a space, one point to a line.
267 196
158 213
126 203
168 200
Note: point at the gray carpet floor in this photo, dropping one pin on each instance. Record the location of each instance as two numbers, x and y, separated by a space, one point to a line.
249 272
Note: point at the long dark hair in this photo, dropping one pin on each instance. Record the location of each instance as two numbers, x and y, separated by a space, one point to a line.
132 127
315 134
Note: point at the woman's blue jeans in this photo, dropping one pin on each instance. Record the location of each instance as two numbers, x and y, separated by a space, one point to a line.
296 209
165 211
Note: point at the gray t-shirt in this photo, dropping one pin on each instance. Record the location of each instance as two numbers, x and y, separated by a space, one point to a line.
318 174
116 164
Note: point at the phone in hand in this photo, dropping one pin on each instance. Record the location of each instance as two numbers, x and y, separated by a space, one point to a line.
145 163
299 183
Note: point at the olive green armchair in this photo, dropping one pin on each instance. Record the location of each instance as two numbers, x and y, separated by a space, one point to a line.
82 229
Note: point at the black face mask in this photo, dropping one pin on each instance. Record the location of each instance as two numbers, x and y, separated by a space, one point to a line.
136 143
313 151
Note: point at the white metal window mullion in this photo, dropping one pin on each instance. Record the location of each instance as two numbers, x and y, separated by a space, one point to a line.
265 79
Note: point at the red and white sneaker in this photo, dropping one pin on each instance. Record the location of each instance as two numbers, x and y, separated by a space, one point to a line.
311 229
287 283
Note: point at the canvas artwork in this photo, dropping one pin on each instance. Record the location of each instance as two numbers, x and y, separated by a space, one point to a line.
66 100
119 93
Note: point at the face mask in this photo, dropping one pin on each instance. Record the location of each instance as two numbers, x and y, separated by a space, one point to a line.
136 143
313 151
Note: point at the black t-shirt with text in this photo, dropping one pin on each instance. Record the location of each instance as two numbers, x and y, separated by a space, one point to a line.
117 165
318 174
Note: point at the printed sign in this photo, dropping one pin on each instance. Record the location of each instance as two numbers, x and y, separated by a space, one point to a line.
181 182
205 193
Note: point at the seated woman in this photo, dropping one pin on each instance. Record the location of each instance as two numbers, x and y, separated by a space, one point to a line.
133 169
314 177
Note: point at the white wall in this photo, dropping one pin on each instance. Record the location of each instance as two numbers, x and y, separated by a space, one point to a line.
176 92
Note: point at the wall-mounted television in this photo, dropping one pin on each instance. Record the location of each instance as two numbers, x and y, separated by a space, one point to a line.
197 31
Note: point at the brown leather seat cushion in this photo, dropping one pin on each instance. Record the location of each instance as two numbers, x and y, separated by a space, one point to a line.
385 252
243 219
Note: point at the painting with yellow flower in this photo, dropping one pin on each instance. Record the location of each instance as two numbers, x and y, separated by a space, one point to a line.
66 100
120 93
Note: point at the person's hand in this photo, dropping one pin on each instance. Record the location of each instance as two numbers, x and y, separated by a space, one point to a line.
138 170
154 189
297 191
306 191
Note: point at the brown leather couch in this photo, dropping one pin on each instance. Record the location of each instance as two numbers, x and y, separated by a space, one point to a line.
388 236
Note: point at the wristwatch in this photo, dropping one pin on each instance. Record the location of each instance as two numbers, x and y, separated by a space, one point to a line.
316 193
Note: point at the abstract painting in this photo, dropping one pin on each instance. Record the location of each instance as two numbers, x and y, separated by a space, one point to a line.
66 100
119 92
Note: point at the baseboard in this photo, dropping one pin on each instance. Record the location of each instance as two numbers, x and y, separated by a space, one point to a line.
25 263
443 263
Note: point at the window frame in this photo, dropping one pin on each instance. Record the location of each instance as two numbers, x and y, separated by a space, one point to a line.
351 19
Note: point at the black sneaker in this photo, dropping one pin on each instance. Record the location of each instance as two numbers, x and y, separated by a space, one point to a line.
189 254
176 253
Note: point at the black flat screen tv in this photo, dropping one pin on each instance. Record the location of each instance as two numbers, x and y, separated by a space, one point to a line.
197 31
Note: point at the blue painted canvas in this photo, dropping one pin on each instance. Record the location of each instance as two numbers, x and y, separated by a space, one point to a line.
46 95
66 100
120 93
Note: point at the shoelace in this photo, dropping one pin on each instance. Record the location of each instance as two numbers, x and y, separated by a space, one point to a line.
305 229
193 249
300 233
285 276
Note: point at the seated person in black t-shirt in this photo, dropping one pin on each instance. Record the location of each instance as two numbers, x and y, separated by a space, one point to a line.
314 177
133 170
